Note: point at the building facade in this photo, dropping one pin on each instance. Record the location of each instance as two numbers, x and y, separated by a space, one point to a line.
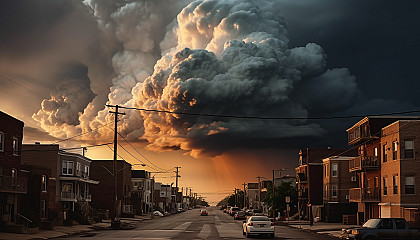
69 183
337 181
141 191
13 181
103 193
400 165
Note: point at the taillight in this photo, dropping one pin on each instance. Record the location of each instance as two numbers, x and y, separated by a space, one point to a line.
250 224
272 224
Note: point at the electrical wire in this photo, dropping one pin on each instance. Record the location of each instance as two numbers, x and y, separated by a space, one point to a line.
166 170
7 78
265 118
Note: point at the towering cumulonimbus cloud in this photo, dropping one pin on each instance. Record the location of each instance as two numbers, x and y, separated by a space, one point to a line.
216 57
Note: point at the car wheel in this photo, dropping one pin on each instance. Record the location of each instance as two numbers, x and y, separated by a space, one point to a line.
243 232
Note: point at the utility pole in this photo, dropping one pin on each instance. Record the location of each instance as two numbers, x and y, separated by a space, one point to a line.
176 185
244 196
274 211
259 193
236 199
115 223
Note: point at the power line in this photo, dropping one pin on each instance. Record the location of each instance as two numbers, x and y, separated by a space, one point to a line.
266 118
167 170
7 78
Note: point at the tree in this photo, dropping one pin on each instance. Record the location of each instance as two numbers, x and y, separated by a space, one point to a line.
280 193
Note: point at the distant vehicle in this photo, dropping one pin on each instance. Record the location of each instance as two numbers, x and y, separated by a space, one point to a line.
233 210
157 213
180 210
258 225
240 215
384 228
204 212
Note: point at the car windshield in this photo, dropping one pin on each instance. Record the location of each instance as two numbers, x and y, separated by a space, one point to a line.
371 223
260 219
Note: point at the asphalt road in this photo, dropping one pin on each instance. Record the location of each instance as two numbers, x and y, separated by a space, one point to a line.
190 225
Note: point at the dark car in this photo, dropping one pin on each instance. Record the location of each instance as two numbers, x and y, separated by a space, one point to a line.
240 215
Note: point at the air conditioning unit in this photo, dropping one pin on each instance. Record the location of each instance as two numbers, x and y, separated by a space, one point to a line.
347 197
353 178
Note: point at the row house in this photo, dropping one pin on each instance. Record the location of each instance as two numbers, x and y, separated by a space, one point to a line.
285 179
13 181
64 176
103 193
253 195
337 181
309 176
365 137
141 191
400 165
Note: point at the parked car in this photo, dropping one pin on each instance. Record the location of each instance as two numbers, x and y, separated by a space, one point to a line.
248 212
258 225
233 210
240 215
204 212
157 213
228 209
384 228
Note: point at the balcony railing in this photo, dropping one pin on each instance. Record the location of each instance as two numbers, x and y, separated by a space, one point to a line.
12 184
67 196
363 163
85 197
302 177
364 194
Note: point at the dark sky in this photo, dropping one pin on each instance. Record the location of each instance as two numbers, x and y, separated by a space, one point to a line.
377 40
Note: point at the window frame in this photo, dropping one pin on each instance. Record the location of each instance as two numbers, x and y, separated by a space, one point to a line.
66 166
44 180
414 185
395 184
2 138
384 154
411 149
384 186
334 189
394 150
336 170
15 146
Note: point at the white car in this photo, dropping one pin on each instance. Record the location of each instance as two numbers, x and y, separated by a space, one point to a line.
258 225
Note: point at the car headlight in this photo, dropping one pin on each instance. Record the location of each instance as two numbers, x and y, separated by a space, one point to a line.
355 232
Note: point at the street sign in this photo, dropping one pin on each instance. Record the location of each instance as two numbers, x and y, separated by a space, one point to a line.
287 199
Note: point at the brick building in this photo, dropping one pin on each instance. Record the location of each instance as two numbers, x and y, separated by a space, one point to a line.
310 180
141 191
13 181
337 181
103 193
365 136
69 182
400 170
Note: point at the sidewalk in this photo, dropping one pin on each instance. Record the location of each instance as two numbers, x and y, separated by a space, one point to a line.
333 229
62 231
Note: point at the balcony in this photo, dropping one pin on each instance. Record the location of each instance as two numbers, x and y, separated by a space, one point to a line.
85 197
68 196
12 184
364 163
303 194
364 195
302 178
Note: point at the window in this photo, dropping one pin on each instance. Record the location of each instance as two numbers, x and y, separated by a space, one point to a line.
86 171
78 167
1 142
408 149
326 190
334 191
43 209
326 170
334 170
384 156
44 183
395 184
67 168
409 185
385 187
375 152
14 176
15 146
394 150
